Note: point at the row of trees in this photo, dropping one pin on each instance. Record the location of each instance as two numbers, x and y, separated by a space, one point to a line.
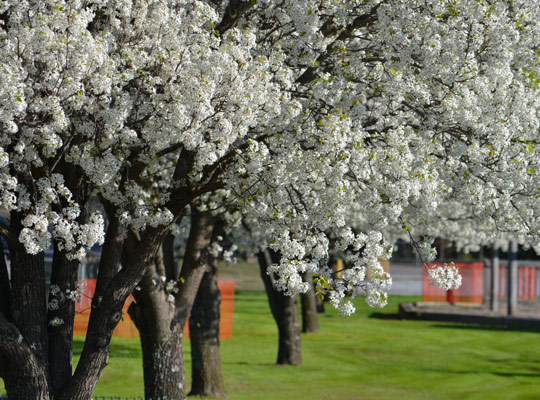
320 123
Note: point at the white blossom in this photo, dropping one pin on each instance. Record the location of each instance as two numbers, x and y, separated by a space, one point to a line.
445 277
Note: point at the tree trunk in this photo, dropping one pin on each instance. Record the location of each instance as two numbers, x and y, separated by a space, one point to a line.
28 297
24 375
290 350
310 320
207 379
160 319
152 313
64 275
5 288
163 362
107 312
163 365
285 311
320 305
23 338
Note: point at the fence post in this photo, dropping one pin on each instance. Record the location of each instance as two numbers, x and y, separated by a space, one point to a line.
450 296
512 292
494 300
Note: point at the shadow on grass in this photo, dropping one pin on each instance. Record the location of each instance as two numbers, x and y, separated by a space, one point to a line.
486 371
459 325
378 315
499 328
520 374
256 364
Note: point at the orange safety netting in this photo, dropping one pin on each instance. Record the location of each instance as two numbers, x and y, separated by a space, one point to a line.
526 283
470 291
226 311
126 328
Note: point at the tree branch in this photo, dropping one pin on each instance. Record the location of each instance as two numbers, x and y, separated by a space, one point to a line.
234 11
4 230
5 288
359 22
192 270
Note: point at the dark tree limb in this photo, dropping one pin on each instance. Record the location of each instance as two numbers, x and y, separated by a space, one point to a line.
4 230
233 12
193 266
5 287
107 312
171 269
361 21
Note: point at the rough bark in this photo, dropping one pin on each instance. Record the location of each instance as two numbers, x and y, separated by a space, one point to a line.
28 300
5 288
25 377
206 376
23 338
64 275
160 324
285 312
161 346
195 258
310 320
290 350
163 364
111 255
107 312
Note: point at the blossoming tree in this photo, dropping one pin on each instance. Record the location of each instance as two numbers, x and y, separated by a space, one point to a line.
292 113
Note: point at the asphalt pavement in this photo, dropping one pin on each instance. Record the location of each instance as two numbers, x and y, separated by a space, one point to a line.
406 279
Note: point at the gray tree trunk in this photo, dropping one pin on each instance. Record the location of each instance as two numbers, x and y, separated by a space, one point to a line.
24 341
206 376
285 312
64 275
310 319
161 344
161 321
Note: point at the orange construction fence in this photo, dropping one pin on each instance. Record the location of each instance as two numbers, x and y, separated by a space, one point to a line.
226 308
526 283
126 327
470 291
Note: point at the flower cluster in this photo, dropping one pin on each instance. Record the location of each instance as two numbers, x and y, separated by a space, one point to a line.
77 293
445 277
171 287
56 322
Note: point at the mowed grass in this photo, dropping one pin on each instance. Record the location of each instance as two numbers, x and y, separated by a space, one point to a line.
366 356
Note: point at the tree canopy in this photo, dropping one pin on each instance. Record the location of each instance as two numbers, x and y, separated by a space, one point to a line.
308 117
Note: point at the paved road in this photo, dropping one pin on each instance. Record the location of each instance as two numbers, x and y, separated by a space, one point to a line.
406 279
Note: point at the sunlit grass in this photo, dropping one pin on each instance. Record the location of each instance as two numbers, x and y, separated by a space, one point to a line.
365 356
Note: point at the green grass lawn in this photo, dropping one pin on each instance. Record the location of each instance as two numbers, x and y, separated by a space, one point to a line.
365 356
